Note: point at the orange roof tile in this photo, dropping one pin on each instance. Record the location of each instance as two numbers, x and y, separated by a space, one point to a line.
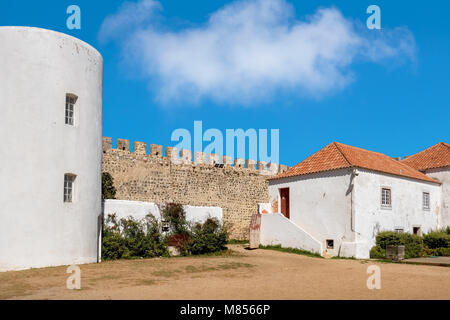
338 155
437 156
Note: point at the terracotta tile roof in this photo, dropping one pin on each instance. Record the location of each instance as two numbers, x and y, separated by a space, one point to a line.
437 156
337 156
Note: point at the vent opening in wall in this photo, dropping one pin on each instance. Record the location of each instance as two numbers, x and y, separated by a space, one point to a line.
417 231
69 187
71 99
330 244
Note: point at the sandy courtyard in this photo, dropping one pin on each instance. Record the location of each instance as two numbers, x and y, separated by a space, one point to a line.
244 274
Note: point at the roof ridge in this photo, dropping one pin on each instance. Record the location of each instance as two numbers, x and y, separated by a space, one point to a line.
336 144
362 149
424 150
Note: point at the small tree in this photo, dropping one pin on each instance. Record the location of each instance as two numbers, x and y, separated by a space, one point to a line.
175 216
108 189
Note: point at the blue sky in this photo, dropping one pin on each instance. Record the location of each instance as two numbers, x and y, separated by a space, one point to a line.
397 103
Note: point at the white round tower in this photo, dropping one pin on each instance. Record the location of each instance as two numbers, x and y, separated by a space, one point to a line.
50 158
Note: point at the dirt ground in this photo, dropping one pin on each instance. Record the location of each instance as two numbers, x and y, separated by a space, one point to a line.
243 274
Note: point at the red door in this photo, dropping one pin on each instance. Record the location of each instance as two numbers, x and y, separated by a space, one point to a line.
284 195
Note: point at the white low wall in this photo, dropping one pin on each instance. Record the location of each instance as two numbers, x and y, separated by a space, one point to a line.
276 229
139 209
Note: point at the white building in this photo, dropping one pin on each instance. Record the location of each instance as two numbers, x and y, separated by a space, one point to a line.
50 160
435 162
338 199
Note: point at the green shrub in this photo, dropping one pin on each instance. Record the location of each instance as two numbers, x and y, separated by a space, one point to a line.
437 239
413 244
108 189
377 252
128 238
443 251
436 252
208 237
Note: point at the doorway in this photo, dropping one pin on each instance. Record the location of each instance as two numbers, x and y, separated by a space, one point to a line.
284 202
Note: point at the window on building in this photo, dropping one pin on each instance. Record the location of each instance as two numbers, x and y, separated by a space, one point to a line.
71 99
386 198
330 244
399 230
69 187
426 200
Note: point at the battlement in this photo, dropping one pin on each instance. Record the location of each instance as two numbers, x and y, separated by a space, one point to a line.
184 157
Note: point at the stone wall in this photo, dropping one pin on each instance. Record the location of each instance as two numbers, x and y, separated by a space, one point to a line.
237 187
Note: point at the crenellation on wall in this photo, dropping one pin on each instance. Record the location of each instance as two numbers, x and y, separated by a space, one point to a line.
106 143
250 164
156 150
227 161
199 157
186 156
237 186
272 168
239 163
262 166
123 144
213 159
139 147
172 155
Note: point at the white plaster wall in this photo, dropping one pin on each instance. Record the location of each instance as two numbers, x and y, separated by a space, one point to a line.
139 209
320 204
406 211
443 175
37 229
276 229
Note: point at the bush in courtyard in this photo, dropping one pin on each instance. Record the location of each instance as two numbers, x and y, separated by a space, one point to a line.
175 216
436 252
377 252
208 237
437 243
108 189
413 243
128 238
178 234
437 239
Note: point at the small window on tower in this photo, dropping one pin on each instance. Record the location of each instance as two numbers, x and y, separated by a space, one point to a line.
69 187
330 244
71 99
386 199
426 200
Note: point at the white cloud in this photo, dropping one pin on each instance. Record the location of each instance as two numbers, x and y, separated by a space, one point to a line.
248 50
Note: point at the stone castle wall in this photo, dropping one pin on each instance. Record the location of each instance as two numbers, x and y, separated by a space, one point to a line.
237 187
